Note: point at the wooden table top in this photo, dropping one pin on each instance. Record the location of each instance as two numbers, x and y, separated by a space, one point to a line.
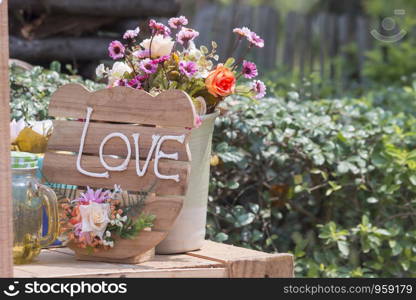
214 260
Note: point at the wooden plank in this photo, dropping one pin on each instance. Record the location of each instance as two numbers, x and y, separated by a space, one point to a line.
60 262
119 8
6 238
213 260
60 168
172 108
166 209
243 262
160 262
65 131
266 23
289 40
174 273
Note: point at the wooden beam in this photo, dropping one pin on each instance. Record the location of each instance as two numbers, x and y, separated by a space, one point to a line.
119 8
6 239
68 48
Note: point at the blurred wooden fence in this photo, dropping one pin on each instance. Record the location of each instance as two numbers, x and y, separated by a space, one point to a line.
301 43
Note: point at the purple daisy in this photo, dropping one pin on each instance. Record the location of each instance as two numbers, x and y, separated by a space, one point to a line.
242 32
185 36
98 196
148 66
255 40
187 68
116 50
259 88
134 83
131 34
159 28
161 59
120 82
137 82
249 70
176 23
140 54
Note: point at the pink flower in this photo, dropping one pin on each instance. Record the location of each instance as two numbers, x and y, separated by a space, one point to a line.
242 32
137 82
177 22
259 88
255 40
185 36
131 34
148 66
187 68
120 82
116 50
249 69
140 54
134 83
98 196
198 121
161 59
158 28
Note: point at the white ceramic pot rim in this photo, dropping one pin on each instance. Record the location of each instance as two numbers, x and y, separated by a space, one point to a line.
210 116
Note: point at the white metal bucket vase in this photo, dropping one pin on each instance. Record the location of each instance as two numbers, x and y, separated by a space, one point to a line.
188 232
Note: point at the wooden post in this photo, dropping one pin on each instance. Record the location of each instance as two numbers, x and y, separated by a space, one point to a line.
6 239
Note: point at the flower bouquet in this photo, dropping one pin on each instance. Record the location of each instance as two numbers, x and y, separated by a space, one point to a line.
95 223
169 59
161 62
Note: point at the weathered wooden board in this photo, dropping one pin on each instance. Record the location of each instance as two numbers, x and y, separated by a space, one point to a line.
213 260
247 263
6 238
103 139
63 138
125 105
60 168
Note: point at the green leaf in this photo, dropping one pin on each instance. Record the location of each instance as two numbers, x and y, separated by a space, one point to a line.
343 247
372 200
221 237
412 179
232 185
230 61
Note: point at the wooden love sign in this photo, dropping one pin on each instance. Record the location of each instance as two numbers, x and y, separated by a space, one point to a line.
126 137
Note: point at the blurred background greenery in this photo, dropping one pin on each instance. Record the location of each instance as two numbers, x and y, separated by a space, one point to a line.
325 166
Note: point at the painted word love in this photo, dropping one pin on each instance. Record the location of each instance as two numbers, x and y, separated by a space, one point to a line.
157 142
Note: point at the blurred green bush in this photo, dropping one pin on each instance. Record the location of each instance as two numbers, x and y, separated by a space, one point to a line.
333 181
30 90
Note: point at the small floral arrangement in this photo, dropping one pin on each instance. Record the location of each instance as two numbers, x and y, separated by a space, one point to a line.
94 219
160 63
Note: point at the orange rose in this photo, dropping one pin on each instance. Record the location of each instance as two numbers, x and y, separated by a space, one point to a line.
220 82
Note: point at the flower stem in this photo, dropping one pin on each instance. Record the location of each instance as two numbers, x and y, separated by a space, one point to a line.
150 46
240 60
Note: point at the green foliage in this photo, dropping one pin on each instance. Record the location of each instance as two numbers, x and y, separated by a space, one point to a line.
133 228
391 63
31 90
333 181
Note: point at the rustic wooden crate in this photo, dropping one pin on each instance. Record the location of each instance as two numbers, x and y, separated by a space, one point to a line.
213 260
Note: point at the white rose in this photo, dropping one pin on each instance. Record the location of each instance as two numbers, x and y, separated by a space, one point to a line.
95 218
161 45
117 72
100 71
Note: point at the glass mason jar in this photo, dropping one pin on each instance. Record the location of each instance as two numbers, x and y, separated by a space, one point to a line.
29 196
